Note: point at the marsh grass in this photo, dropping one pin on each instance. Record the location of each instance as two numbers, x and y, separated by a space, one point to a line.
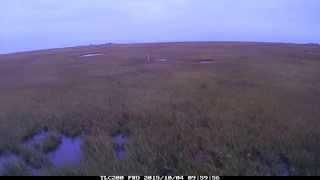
235 116
51 143
17 169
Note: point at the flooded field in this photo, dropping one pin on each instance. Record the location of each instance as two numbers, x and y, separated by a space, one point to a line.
68 153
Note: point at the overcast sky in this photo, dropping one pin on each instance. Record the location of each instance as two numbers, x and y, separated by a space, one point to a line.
39 24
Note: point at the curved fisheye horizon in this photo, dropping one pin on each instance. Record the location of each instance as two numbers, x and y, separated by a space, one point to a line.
35 24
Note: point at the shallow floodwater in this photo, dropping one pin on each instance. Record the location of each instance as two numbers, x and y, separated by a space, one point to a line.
206 62
163 60
67 153
36 139
119 141
6 160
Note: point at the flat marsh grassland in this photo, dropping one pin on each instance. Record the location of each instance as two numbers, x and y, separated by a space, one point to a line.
197 108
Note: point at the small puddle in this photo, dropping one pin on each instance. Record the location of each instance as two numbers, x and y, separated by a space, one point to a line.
275 165
163 60
36 139
206 61
92 55
67 153
283 166
119 141
9 160
6 160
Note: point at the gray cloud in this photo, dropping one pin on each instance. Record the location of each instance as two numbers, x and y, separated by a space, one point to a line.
37 24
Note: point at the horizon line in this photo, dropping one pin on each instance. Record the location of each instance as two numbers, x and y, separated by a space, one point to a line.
153 42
